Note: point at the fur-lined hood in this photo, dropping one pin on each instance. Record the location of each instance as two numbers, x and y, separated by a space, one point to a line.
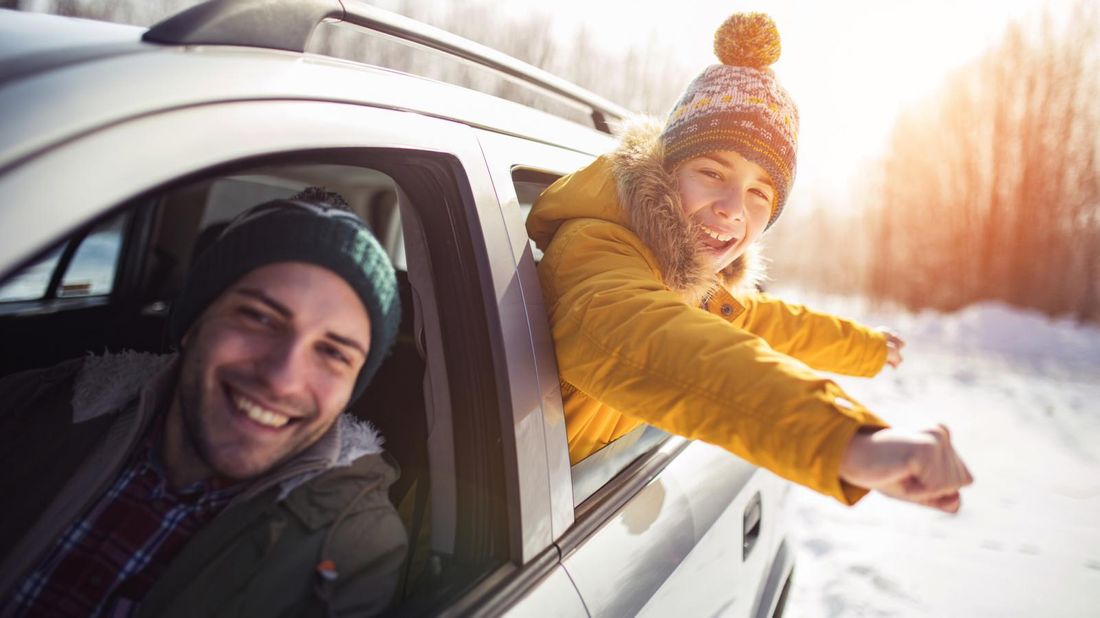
631 187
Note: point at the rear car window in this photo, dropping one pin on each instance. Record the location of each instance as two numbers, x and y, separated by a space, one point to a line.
90 271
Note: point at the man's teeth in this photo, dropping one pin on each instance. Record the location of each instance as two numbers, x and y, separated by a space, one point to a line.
717 236
260 415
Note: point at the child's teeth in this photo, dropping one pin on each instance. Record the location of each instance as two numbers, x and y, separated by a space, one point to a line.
716 235
260 415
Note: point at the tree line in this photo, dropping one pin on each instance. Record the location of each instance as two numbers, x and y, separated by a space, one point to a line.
988 190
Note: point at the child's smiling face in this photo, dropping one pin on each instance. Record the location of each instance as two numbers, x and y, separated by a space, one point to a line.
729 198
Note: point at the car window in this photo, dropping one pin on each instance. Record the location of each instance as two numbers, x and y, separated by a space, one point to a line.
92 269
529 185
89 269
189 216
599 469
32 282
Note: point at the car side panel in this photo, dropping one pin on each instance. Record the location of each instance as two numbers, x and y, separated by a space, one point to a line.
632 563
554 597
715 578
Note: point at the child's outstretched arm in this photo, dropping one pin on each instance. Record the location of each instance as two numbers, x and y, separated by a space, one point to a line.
821 340
625 340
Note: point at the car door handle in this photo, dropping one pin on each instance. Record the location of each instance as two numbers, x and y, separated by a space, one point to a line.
751 525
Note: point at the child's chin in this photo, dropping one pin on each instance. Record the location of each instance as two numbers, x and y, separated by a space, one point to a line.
721 260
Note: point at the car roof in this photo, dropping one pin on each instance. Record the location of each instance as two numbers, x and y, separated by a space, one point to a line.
106 74
26 34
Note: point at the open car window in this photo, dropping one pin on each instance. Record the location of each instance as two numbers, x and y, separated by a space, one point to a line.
599 469
439 366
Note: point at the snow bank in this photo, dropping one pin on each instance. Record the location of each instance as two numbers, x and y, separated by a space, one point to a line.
996 329
1021 394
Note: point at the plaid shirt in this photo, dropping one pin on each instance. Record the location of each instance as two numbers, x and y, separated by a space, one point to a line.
105 562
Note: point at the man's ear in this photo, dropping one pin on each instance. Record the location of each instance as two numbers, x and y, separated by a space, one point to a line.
187 335
193 328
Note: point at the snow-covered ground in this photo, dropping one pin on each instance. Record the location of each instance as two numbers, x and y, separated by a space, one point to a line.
1021 396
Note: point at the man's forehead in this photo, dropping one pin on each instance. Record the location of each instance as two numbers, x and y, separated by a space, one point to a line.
305 291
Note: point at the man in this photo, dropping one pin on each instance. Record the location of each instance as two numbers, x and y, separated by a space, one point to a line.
223 480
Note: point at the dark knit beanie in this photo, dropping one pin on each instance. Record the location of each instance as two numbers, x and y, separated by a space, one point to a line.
298 231
739 105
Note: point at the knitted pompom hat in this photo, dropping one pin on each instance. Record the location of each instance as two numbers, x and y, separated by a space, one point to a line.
739 105
298 230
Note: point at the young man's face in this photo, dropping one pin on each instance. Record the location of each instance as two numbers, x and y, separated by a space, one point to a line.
268 367
730 198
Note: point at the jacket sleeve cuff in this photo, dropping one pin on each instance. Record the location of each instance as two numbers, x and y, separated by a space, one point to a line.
858 419
874 357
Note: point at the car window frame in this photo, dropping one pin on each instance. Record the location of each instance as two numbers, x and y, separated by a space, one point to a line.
458 170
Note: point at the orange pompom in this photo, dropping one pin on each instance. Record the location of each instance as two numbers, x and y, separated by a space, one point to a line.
747 40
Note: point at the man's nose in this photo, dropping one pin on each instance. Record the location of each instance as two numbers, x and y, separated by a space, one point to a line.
283 367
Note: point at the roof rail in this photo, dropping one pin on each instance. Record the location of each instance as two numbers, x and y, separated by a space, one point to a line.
288 24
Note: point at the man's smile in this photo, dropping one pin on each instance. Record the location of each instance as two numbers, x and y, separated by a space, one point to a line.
256 412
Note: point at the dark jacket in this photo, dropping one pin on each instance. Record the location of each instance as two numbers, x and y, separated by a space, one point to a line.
65 432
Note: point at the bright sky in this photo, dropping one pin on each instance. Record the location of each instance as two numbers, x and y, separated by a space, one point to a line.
850 65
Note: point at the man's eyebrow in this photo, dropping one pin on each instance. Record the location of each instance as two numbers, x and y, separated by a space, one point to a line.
282 310
347 341
275 305
725 162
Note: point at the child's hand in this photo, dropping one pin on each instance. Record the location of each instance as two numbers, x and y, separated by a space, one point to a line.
915 466
894 344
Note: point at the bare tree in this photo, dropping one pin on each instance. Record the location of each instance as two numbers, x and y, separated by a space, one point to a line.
990 189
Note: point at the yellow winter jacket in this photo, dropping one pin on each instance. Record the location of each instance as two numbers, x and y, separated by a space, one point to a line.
643 334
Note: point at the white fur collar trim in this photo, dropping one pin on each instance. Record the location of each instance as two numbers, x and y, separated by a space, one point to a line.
107 383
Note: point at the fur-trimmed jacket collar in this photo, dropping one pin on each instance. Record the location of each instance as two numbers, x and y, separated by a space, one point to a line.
647 202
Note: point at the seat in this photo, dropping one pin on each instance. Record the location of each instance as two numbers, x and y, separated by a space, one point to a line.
394 403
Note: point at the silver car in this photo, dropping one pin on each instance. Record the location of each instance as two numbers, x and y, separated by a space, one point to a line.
123 149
